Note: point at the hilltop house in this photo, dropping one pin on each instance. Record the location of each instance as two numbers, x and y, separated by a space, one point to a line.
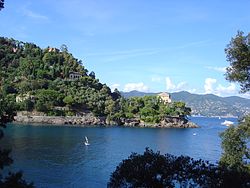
74 75
165 97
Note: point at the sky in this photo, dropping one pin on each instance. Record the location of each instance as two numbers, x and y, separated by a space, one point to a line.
149 46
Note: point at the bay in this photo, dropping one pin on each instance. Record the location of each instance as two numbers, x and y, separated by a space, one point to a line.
54 156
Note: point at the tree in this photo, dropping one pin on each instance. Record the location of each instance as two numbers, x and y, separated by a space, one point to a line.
68 100
92 74
1 4
235 140
238 54
47 99
64 48
235 145
155 170
12 179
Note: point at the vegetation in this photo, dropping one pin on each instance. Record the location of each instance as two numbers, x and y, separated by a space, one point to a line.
1 4
238 54
235 140
12 179
205 105
235 144
54 82
155 170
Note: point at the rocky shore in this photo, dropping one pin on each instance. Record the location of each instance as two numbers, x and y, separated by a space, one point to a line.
90 120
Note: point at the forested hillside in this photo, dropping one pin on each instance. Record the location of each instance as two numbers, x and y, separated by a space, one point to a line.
52 81
207 104
42 79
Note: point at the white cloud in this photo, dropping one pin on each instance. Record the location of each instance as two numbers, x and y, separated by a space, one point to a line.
223 91
114 86
245 95
208 86
169 84
171 87
136 86
218 89
218 69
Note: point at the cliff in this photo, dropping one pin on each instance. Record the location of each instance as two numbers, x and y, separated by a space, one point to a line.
90 120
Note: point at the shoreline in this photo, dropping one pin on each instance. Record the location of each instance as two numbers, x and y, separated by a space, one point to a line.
89 120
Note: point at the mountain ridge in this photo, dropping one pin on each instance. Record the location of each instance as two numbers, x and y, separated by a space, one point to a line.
206 104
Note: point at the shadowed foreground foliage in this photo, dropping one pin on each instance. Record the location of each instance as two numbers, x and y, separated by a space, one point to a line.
1 4
156 170
235 145
238 54
13 180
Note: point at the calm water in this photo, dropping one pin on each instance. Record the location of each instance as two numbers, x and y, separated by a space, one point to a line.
57 157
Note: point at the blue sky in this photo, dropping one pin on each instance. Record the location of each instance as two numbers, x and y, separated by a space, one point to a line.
146 45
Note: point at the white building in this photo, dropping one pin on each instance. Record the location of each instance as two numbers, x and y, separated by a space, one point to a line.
165 97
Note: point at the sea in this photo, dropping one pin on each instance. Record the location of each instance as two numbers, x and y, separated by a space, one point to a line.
56 156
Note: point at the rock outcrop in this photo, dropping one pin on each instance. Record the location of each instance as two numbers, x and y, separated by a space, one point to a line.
89 119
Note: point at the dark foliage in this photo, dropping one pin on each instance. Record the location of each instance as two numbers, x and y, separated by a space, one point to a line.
13 180
1 4
238 54
156 170
235 145
54 82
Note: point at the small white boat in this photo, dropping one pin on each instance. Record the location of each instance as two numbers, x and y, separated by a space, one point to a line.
227 123
86 141
194 134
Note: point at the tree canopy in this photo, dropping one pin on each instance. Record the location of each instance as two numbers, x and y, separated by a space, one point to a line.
1 4
12 179
53 81
238 54
235 140
235 144
152 169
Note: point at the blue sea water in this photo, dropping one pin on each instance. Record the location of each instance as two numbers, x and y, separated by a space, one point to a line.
52 156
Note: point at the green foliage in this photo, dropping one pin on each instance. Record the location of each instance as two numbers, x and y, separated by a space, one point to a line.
235 145
40 77
26 105
68 100
155 170
43 75
12 179
238 54
152 110
46 99
1 4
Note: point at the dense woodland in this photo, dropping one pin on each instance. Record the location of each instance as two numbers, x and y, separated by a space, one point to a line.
35 79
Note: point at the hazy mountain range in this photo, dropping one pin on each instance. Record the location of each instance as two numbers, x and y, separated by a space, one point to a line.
207 104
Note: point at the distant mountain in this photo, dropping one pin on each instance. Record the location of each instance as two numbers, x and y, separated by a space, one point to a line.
207 104
135 93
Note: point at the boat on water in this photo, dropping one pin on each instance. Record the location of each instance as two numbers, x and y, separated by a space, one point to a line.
227 123
86 142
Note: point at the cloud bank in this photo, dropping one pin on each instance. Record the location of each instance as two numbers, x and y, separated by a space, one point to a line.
136 86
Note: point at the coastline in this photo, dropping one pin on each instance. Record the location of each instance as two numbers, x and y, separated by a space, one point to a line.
88 120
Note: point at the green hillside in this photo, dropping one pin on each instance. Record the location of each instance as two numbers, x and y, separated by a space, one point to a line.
206 105
52 81
49 79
